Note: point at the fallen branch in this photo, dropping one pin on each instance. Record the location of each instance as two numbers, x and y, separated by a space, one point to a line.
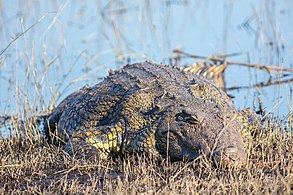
221 58
261 84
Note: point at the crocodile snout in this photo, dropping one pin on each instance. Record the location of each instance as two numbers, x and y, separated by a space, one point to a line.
230 156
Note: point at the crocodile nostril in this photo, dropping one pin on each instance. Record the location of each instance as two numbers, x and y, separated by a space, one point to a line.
231 152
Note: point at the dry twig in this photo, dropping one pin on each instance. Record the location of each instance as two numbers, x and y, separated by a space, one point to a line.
221 59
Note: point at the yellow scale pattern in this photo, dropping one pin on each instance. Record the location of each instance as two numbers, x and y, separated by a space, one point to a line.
104 146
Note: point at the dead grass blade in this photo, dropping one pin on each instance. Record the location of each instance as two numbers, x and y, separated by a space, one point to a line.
24 32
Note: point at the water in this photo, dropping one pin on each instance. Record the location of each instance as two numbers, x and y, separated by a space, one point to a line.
72 43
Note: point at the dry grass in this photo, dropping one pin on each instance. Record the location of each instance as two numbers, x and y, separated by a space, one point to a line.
34 166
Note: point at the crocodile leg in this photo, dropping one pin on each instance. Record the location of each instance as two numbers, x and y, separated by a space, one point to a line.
142 142
100 141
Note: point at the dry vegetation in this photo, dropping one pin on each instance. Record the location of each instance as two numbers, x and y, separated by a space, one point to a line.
34 166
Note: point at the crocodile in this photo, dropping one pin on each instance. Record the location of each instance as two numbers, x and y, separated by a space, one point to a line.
151 109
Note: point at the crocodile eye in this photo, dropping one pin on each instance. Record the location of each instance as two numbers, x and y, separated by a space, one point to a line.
186 117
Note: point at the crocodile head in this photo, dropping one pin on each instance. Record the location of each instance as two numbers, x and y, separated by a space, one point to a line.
201 127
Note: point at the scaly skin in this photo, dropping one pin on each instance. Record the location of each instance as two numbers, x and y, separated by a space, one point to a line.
152 109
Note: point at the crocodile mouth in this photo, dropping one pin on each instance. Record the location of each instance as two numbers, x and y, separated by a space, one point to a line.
189 149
